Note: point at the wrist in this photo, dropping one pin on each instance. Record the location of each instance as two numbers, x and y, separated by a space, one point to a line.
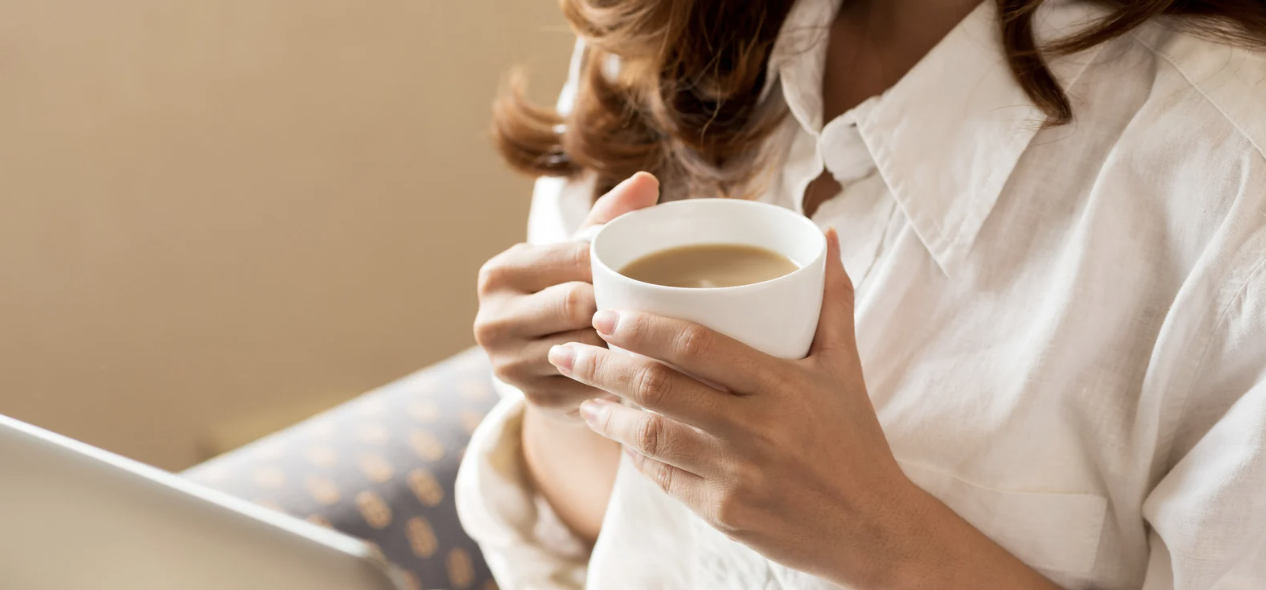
892 544
571 467
918 556
897 556
931 547
545 435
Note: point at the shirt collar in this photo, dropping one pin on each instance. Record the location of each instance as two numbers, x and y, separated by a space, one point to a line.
948 135
799 58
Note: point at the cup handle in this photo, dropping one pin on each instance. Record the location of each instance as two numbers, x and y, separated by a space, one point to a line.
588 234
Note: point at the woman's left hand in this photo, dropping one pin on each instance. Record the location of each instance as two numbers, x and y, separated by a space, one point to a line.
788 459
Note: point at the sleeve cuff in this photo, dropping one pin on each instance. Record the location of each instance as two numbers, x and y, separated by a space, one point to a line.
524 542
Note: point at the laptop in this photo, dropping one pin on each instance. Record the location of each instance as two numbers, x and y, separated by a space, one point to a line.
73 516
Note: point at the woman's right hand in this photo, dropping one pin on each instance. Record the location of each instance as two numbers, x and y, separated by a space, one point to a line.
534 297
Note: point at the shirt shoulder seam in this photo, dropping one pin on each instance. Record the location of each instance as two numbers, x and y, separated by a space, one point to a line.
1173 62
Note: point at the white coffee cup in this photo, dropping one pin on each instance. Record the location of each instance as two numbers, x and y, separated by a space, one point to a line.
777 317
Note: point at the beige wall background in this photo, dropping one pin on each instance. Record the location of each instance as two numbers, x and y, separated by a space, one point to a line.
213 209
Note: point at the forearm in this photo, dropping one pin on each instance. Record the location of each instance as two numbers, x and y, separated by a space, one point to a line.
929 547
573 468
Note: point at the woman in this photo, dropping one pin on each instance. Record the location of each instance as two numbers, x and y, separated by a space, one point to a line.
1042 355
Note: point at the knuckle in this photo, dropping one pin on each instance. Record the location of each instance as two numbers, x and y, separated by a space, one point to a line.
650 435
731 511
488 330
487 281
664 477
759 432
510 371
501 372
633 328
482 330
577 304
493 273
651 385
586 365
505 373
747 482
517 368
580 255
490 276
694 341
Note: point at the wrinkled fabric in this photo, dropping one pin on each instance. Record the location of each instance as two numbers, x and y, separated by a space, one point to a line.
1063 329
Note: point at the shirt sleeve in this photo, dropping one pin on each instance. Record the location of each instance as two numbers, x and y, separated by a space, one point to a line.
1207 515
525 544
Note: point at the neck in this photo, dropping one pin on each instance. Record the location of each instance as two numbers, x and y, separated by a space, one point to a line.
875 42
917 22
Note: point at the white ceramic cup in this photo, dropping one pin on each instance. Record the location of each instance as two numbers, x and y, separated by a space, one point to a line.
777 317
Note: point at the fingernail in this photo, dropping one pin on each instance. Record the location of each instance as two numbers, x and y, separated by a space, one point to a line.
591 411
605 321
833 241
562 357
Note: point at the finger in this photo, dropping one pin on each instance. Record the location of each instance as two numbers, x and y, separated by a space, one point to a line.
560 394
536 352
687 487
637 192
647 383
835 335
558 308
529 269
651 435
695 349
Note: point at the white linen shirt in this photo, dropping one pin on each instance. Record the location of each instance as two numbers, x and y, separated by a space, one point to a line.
1063 329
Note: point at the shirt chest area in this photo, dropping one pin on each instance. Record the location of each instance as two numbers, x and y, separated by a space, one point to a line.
1030 352
1001 370
1012 390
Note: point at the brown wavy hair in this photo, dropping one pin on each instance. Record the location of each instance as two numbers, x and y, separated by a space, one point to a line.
686 102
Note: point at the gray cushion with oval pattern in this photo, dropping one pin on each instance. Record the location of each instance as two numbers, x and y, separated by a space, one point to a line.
380 467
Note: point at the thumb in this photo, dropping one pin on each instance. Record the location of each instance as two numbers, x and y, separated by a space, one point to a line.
637 192
835 333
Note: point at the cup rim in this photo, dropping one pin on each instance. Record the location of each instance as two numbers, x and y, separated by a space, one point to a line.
818 236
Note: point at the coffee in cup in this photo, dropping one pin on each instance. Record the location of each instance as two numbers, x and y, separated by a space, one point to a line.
707 266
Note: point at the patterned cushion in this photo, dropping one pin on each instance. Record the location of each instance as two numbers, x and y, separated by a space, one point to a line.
380 467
